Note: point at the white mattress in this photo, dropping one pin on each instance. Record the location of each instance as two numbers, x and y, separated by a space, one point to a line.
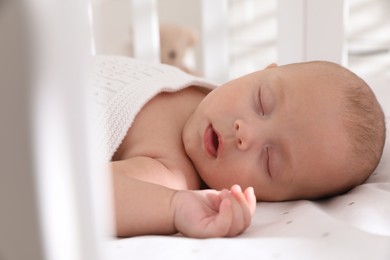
355 225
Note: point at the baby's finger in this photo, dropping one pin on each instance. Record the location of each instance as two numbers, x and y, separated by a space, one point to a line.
223 221
224 194
245 208
251 199
238 203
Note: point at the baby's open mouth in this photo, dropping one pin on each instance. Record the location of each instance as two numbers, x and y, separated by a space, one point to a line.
211 141
215 140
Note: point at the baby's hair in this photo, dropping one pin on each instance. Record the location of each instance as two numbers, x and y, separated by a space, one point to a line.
365 125
365 122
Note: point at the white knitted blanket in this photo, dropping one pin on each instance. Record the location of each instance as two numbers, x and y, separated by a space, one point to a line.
121 86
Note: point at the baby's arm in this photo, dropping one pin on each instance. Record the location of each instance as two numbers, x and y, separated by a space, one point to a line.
144 208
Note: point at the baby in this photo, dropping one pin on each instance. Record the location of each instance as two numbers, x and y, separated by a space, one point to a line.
192 158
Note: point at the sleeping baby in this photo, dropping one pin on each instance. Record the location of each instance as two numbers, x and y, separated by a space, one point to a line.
189 157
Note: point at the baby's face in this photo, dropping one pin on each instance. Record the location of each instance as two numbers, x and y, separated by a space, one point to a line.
277 130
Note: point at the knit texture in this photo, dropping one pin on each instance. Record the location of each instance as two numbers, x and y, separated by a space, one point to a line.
121 86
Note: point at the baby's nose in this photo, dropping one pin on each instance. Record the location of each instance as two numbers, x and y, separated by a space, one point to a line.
243 134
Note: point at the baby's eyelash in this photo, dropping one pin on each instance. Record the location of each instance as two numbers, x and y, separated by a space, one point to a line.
261 108
268 163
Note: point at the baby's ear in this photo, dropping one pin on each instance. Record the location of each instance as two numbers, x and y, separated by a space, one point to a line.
272 65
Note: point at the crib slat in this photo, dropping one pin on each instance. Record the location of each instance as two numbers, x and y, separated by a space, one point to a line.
291 31
146 38
20 236
326 30
312 30
214 45
71 221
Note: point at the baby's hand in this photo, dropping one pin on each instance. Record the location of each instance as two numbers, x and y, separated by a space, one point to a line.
210 213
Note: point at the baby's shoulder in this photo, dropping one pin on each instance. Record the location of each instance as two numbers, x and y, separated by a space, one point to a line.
157 131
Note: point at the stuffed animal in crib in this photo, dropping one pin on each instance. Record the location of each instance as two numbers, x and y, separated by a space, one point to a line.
177 47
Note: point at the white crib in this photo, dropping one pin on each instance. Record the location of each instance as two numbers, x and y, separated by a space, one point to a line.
55 201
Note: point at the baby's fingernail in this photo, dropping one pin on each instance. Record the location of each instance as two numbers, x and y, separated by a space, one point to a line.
236 188
250 189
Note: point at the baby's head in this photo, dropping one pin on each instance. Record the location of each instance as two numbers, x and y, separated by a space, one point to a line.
299 131
364 122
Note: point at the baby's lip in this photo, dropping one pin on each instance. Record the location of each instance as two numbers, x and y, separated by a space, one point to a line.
212 141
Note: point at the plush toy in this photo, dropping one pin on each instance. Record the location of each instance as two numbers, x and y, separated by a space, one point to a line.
177 45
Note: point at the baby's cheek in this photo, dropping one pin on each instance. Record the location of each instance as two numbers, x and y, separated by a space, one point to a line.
240 177
216 179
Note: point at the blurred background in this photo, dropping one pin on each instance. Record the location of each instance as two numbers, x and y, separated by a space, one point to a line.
252 32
